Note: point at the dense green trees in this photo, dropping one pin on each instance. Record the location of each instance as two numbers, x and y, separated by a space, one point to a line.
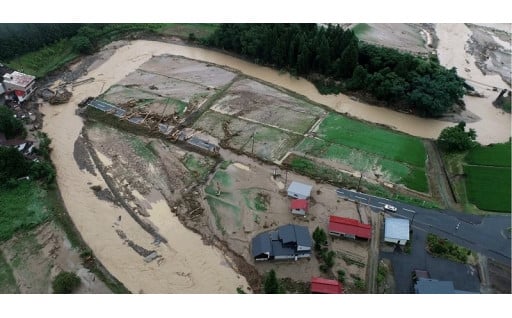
453 139
9 125
12 164
271 284
341 62
320 238
19 38
65 283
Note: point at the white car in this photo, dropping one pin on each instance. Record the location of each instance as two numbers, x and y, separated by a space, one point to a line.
390 208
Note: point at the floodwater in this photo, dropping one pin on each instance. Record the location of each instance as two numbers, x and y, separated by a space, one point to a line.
491 129
188 265
494 125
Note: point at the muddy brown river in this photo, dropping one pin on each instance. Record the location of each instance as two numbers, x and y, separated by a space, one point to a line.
189 266
493 127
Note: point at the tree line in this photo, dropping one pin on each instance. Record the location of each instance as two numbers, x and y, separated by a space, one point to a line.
19 38
336 61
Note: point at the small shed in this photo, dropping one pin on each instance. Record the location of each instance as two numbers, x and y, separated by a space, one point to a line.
325 286
299 190
396 230
299 206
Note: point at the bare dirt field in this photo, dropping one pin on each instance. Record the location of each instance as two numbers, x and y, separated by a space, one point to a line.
37 256
244 200
188 70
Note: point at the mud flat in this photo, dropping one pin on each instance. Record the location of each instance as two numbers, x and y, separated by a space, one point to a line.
494 125
190 267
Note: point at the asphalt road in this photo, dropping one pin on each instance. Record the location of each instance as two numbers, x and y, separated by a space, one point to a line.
463 276
483 234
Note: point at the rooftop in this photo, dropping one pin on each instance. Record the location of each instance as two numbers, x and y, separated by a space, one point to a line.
349 226
17 78
300 188
325 286
282 241
299 204
396 228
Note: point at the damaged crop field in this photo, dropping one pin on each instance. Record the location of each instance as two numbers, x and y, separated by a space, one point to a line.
228 196
169 87
390 156
256 119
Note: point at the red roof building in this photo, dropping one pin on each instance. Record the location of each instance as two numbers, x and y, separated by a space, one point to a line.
349 227
325 286
299 206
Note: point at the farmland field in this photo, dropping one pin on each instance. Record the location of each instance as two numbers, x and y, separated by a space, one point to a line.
487 172
260 103
488 187
397 172
492 155
372 139
269 143
395 157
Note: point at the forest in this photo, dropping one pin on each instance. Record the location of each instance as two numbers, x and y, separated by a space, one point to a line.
336 61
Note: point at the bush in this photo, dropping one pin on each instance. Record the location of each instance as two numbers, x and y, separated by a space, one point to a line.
65 283
271 285
320 238
10 125
455 139
82 44
341 276
42 171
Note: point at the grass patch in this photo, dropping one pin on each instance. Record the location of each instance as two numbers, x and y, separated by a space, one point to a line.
492 155
360 29
255 200
200 167
49 58
372 139
200 30
22 208
489 187
410 176
325 173
142 149
225 164
382 273
7 281
440 247
216 206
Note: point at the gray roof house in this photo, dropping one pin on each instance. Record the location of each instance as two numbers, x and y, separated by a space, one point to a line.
396 230
434 286
299 190
286 242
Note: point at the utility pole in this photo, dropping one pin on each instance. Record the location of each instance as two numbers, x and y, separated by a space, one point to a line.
252 148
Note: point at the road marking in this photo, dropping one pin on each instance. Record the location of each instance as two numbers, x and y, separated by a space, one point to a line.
360 197
409 210
382 202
